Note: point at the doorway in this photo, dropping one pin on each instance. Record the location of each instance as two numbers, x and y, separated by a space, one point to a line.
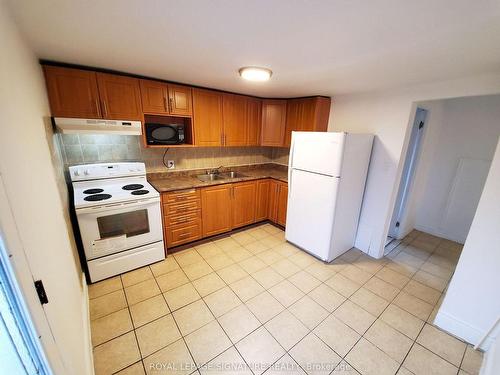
407 178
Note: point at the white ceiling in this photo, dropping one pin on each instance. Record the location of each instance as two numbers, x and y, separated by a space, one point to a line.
324 47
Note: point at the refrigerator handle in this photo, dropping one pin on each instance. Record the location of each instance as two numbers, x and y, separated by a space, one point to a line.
290 164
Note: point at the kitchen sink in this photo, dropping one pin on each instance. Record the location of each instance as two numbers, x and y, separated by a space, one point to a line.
220 176
233 175
210 177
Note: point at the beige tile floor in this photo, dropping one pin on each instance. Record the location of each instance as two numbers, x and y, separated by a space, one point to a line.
252 303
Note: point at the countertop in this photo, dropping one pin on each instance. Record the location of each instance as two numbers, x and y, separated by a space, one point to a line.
170 181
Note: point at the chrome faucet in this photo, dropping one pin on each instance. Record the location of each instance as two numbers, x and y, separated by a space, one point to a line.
215 170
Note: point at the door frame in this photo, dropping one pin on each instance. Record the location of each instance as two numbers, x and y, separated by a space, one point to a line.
23 278
407 180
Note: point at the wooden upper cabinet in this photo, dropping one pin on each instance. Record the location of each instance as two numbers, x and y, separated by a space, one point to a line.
154 96
262 200
244 196
120 97
281 203
273 122
180 100
307 114
216 209
207 112
293 114
234 113
254 118
72 92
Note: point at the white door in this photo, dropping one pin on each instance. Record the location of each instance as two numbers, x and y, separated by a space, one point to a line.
317 152
311 207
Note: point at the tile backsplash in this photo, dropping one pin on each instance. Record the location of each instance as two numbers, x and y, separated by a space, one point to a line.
94 148
280 155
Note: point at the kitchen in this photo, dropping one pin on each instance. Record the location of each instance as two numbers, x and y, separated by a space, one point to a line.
188 220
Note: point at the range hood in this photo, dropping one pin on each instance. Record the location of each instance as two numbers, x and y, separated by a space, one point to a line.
97 126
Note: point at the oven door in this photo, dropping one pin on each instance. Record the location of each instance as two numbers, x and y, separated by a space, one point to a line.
113 228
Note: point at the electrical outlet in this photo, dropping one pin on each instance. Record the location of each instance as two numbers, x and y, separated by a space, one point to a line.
170 164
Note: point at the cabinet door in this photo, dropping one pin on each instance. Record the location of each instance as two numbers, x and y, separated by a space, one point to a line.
244 194
262 205
293 115
273 200
281 203
216 209
273 122
120 97
234 113
254 118
154 96
180 100
207 117
72 92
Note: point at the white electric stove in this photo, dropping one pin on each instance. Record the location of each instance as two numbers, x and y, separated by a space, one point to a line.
119 217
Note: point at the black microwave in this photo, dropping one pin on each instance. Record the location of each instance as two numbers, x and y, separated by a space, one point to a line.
164 134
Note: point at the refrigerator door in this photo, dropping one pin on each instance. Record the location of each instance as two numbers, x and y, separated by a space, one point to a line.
311 208
317 152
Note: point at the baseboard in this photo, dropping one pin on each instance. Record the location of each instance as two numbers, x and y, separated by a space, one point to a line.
462 330
86 326
491 361
437 233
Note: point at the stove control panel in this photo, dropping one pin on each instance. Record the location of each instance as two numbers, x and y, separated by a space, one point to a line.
106 170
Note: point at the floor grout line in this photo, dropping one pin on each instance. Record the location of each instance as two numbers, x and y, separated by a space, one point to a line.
301 268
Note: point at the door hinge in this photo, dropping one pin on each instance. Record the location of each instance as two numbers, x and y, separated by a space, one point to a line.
397 224
421 125
41 292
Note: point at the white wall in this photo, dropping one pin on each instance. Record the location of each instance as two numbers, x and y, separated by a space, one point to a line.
388 115
30 184
462 128
472 303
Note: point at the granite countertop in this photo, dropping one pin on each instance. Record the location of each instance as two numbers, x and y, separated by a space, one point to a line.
170 181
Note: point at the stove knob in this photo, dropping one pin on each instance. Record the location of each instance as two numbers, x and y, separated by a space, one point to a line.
77 172
86 172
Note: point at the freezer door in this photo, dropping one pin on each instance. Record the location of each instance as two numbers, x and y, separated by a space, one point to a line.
311 207
317 152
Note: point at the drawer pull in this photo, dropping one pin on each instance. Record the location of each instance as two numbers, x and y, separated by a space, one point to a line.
182 235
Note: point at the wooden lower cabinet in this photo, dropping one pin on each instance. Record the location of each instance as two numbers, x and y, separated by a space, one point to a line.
216 207
278 199
281 203
262 200
189 215
244 203
181 216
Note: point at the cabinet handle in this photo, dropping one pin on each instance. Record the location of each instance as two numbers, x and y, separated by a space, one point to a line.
171 101
184 234
165 103
104 108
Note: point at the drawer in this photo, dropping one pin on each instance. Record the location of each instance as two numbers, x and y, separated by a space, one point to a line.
182 219
179 234
181 196
181 208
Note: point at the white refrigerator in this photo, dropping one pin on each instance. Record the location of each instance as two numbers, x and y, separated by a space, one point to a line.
326 181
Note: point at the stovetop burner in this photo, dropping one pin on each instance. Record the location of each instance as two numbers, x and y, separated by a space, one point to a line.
93 191
140 192
133 187
97 197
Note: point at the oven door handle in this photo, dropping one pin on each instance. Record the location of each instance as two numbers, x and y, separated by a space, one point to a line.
138 203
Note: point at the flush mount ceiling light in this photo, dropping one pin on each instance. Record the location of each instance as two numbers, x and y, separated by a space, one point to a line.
256 74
